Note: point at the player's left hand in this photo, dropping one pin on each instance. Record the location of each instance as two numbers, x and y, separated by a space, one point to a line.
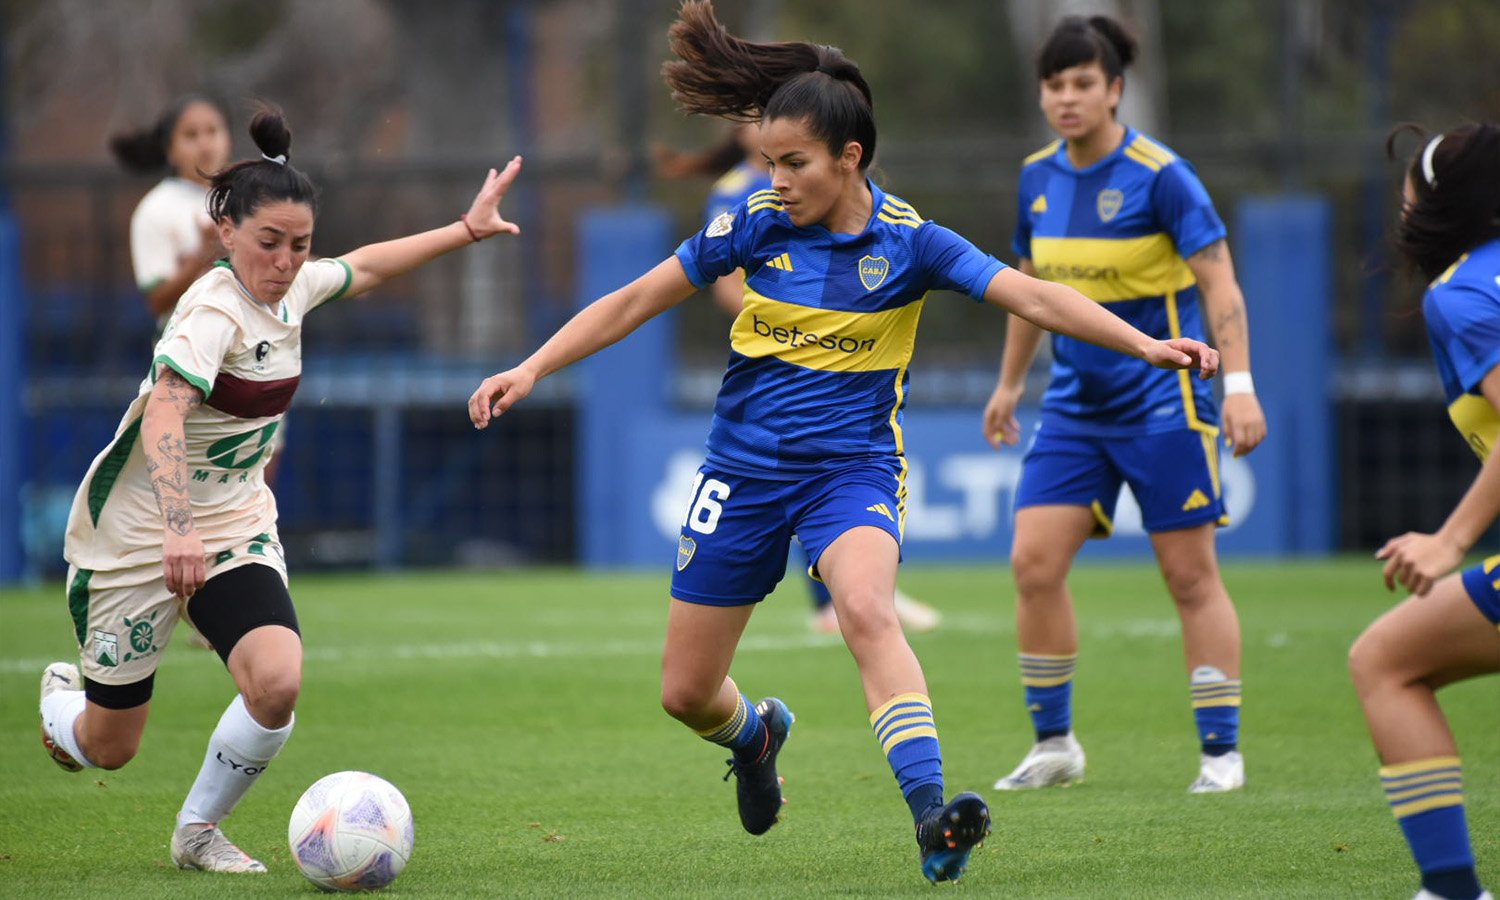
498 393
1184 353
484 213
1417 561
1244 423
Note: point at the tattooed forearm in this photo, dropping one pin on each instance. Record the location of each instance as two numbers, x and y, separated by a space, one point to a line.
177 392
165 447
177 513
1229 326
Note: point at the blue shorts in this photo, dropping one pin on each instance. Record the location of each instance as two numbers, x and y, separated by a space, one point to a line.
1174 476
734 541
1483 584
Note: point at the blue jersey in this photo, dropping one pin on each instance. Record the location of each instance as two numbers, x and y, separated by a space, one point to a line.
1462 309
817 364
735 187
1119 231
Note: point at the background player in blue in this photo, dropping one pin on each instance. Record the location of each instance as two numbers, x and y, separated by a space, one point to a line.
1446 632
735 163
1125 221
807 436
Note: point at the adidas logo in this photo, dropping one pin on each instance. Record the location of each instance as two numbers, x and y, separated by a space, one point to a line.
1195 500
882 509
782 262
1039 205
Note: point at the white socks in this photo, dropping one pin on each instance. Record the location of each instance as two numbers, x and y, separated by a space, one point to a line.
60 711
238 752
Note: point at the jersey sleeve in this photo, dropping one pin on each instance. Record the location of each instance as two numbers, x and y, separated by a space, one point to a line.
1466 323
1184 210
952 263
718 249
1020 243
325 279
196 345
153 253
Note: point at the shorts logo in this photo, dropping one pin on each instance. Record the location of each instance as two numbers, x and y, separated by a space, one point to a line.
720 226
1195 500
686 547
872 271
106 648
882 509
1108 203
142 637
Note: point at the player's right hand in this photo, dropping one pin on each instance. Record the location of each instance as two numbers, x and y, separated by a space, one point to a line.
184 567
498 393
1000 424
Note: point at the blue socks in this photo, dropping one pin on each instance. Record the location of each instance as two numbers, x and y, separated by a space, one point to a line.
1048 682
908 737
1427 798
1216 709
744 733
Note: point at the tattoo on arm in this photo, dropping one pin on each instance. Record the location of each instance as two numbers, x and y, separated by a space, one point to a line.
1212 253
166 450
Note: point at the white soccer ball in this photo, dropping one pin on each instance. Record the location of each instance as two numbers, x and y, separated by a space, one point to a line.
351 831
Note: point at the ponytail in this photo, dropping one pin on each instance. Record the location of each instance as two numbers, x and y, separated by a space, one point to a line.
239 190
1455 177
144 150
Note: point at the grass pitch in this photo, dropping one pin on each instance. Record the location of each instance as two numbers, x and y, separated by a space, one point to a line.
518 712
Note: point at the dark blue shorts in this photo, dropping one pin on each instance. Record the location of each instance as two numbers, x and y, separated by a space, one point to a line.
734 541
1174 476
1483 584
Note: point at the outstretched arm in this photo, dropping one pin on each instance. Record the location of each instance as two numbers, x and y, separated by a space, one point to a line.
1059 308
1418 560
600 324
1224 306
165 446
374 264
1021 340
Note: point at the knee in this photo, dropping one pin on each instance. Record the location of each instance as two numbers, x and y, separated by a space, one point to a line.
867 615
1037 572
271 698
684 701
1194 586
1368 662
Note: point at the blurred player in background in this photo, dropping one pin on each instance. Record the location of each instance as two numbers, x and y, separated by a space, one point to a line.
1121 218
806 437
735 165
174 517
1446 632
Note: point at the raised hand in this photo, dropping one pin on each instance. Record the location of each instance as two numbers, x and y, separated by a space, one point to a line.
484 216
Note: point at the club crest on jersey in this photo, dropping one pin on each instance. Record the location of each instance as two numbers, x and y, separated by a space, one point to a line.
720 226
686 547
872 271
106 648
1108 203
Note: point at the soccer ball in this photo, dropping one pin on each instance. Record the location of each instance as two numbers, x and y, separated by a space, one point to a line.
351 831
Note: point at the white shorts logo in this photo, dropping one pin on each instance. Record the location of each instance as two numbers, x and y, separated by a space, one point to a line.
106 648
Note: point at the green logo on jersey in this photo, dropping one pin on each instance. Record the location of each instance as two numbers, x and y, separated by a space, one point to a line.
226 454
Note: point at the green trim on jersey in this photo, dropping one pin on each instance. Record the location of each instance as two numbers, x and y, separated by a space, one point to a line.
195 380
109 469
78 603
348 280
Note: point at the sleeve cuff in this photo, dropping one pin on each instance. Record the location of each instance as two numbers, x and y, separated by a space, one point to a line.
195 380
348 280
690 267
976 291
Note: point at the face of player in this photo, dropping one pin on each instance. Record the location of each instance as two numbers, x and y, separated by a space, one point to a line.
816 187
1080 101
268 248
199 142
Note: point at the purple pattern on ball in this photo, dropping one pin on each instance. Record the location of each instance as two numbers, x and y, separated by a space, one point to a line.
378 873
367 813
315 851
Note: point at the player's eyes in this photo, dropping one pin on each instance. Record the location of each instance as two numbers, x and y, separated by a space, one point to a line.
268 245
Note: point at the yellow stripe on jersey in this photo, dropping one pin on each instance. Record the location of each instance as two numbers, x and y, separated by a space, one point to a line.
1042 154
763 200
899 220
826 339
1476 420
1448 272
1039 205
1112 269
1143 159
1151 150
782 262
1185 385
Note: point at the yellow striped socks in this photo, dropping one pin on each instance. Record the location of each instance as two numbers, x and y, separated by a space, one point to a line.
1048 683
1427 798
908 737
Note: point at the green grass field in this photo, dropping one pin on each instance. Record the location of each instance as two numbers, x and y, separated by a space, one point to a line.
518 712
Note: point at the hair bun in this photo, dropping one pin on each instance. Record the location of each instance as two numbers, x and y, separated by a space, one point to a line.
1115 33
269 131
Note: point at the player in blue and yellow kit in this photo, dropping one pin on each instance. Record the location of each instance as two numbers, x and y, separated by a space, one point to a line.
741 175
807 430
1447 631
1121 218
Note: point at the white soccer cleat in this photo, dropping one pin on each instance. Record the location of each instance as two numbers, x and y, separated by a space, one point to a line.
199 846
59 676
914 615
1217 774
1055 761
1425 894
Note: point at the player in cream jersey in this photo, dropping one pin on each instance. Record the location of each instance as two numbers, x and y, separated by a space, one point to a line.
174 518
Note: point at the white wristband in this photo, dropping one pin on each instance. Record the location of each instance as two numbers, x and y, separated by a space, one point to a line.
1238 383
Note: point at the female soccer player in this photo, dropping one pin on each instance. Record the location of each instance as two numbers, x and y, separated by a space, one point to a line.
174 518
1121 218
806 437
737 176
1446 632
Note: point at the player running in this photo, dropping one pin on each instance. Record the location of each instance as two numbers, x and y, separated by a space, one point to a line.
174 518
1124 220
807 436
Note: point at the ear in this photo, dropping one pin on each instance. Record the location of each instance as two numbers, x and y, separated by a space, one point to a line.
852 155
1115 90
226 232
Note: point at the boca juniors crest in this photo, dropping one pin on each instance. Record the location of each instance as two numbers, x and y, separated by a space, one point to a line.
686 547
1108 203
872 271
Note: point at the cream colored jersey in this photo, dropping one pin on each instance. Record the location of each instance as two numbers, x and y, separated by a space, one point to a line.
167 226
246 358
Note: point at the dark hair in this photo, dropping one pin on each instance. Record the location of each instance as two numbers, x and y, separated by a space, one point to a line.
1077 41
239 190
718 74
712 161
144 150
1459 207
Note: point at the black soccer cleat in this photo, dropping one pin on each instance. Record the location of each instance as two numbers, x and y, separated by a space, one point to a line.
758 788
947 834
